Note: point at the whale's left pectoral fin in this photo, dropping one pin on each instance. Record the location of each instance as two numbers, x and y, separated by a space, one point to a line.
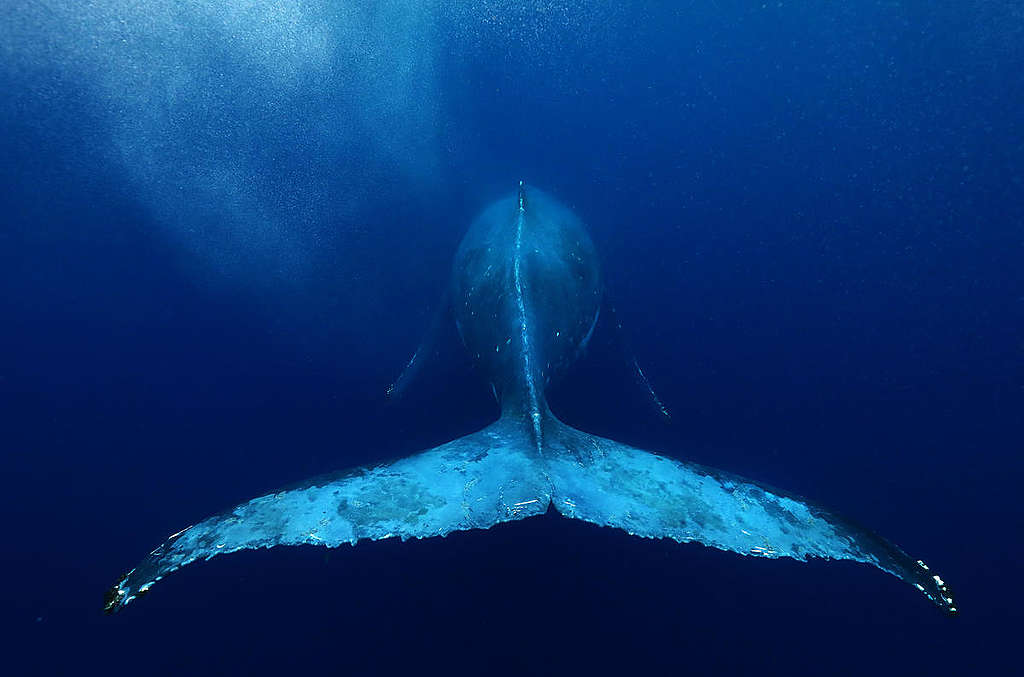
611 484
473 482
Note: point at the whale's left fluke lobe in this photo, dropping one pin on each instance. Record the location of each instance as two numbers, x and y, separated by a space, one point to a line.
473 482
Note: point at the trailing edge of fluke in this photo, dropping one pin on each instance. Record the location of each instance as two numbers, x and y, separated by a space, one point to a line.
526 292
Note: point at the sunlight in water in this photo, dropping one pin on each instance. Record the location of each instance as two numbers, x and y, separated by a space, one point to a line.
239 122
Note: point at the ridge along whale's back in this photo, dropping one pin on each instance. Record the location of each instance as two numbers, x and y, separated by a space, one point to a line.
548 317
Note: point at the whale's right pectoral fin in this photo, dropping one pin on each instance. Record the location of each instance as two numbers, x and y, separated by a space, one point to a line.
611 484
473 482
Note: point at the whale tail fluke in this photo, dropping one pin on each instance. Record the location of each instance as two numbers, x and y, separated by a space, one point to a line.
498 475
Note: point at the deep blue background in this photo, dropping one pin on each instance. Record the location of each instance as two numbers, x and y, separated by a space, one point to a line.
812 229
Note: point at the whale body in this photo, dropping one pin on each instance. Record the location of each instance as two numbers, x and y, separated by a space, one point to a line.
526 293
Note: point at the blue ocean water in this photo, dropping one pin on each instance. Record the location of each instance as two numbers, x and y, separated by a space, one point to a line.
226 227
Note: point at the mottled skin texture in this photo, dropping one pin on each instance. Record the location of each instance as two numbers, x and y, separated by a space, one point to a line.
526 292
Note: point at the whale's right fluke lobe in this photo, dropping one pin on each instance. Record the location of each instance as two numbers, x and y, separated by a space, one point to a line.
612 484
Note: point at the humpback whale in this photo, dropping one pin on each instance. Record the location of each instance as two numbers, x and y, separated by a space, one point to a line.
526 292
